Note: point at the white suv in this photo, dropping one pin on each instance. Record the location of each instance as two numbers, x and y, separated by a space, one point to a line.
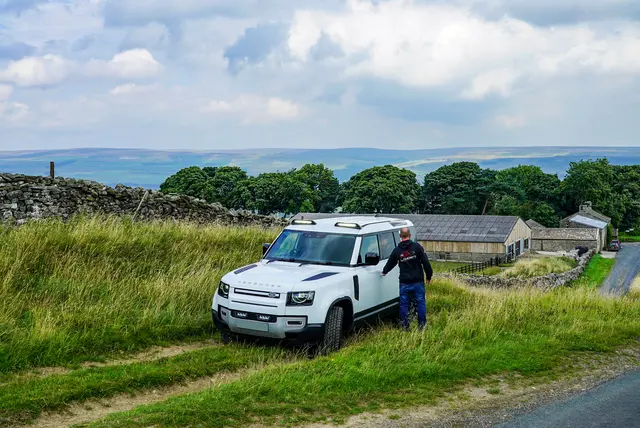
315 282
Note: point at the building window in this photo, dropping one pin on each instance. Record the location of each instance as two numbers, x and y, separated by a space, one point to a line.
526 244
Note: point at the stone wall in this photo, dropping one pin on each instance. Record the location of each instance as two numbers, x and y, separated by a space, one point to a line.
565 239
546 282
23 198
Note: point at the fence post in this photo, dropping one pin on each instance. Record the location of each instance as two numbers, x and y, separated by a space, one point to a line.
52 170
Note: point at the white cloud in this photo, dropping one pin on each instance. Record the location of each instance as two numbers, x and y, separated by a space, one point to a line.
254 109
131 64
37 71
434 45
53 69
132 89
13 112
5 92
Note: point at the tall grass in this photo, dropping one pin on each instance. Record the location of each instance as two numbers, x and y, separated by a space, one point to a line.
531 268
79 290
471 334
634 290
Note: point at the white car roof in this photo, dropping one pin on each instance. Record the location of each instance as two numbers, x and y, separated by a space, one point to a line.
355 225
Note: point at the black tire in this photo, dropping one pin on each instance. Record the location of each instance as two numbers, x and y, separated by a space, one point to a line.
332 332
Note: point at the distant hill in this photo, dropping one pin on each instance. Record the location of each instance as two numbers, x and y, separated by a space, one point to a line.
149 168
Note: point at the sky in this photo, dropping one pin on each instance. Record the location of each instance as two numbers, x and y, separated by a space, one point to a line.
242 74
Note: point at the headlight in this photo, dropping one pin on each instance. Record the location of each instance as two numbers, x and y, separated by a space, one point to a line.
223 290
302 298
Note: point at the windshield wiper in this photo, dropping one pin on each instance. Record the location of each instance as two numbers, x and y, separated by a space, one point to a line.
282 259
316 263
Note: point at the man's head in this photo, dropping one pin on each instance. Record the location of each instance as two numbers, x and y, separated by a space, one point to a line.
405 233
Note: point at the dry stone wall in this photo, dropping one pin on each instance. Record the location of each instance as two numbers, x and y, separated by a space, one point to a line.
546 282
24 198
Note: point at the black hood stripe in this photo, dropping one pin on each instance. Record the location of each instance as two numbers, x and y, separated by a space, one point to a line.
244 269
320 276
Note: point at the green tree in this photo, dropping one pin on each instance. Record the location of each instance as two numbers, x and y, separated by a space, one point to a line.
459 188
323 184
592 181
532 183
189 181
279 192
381 189
223 185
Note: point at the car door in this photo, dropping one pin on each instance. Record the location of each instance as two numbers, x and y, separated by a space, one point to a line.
369 294
390 283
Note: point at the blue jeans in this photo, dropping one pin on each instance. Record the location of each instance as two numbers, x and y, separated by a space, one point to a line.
417 293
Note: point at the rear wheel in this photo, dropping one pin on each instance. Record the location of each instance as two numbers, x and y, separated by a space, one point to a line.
333 331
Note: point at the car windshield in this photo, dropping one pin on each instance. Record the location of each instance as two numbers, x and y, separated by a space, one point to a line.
312 247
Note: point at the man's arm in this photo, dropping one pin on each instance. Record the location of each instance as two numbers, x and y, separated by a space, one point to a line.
424 259
391 263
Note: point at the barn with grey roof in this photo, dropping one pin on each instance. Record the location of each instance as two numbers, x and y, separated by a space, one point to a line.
462 237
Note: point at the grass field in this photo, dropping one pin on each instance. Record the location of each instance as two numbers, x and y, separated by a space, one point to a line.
439 266
531 268
94 288
625 237
634 291
471 334
595 273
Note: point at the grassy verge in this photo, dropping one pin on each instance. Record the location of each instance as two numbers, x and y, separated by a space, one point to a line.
24 399
490 271
629 238
634 291
445 266
471 334
597 270
81 290
531 268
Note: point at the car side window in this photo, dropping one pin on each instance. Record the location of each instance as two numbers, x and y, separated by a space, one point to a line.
369 245
387 245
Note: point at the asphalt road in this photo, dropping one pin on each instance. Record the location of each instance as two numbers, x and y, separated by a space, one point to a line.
613 404
625 270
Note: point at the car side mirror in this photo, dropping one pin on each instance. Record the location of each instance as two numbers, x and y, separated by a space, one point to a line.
371 259
265 248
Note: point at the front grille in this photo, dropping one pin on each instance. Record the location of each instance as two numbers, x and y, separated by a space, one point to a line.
256 293
243 315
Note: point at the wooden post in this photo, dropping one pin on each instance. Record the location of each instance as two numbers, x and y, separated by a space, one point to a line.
52 169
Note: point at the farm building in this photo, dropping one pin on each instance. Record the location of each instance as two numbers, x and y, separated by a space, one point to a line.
586 228
462 237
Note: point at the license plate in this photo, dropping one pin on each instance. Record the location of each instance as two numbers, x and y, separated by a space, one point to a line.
252 325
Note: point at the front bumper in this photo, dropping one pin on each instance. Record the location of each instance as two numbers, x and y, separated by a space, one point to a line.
293 329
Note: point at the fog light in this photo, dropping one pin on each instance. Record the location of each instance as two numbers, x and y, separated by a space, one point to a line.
264 317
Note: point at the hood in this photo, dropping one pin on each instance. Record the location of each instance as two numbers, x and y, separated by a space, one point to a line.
405 245
280 276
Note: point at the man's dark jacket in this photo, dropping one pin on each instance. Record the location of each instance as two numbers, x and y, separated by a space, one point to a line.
413 262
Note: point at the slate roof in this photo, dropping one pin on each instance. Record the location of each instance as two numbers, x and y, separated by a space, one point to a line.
534 224
586 221
589 212
449 228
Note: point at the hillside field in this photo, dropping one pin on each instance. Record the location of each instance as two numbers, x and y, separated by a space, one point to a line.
99 289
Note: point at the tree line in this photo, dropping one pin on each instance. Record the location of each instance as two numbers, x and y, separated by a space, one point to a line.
459 188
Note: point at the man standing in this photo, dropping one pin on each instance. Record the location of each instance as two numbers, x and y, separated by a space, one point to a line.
414 263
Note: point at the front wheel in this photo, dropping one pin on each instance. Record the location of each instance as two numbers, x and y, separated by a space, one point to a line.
333 331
